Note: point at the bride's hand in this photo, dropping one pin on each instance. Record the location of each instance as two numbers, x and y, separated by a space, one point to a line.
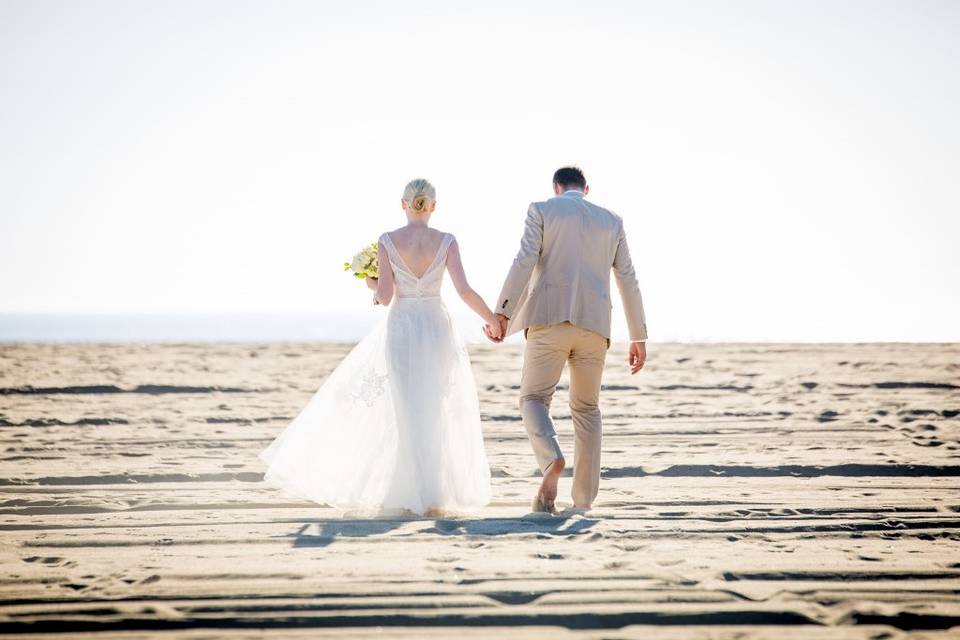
493 332
371 283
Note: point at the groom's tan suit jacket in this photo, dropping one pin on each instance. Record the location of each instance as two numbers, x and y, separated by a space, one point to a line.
562 271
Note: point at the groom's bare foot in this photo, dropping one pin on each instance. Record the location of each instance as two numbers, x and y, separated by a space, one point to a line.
434 512
547 495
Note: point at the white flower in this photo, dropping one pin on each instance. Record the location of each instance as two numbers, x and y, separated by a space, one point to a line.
365 263
358 263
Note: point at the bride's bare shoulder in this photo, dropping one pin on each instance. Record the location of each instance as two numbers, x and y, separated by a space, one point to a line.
409 236
444 234
393 235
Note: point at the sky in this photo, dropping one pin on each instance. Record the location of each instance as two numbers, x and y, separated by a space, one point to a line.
785 170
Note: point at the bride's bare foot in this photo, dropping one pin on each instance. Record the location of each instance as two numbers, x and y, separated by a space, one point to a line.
434 512
546 497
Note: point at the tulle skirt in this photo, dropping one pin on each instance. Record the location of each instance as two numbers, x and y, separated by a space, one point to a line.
395 427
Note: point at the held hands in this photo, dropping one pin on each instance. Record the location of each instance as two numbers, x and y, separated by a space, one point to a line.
637 357
492 331
496 331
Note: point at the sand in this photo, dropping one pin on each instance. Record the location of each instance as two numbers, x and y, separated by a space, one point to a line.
749 491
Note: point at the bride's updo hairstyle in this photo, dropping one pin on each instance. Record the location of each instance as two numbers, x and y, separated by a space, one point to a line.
419 194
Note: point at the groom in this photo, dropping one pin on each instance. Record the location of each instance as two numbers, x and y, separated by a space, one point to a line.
558 292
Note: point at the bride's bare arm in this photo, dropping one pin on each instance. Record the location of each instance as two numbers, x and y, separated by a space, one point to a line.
471 297
385 282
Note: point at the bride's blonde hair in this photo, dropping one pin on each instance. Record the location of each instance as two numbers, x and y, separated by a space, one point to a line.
419 194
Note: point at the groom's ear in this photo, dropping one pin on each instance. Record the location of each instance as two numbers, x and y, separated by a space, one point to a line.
557 189
586 189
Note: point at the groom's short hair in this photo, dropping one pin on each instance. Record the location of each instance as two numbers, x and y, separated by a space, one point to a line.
569 177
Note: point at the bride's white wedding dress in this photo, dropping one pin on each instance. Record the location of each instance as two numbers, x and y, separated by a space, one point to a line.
396 426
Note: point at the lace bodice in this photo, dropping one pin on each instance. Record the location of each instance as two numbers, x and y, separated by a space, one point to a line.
409 285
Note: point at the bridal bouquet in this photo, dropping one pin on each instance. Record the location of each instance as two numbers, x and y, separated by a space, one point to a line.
364 264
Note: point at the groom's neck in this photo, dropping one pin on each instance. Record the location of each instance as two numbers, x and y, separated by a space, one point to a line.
562 189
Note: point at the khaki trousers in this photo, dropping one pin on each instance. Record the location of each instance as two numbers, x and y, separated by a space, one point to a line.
549 348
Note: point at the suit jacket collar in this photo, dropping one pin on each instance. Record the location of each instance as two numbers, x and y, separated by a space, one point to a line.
572 193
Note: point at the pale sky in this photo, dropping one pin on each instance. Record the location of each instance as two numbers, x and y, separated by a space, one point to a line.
786 170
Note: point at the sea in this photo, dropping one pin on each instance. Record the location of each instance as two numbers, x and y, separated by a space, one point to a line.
224 327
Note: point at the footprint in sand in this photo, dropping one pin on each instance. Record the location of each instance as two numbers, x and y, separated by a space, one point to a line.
51 561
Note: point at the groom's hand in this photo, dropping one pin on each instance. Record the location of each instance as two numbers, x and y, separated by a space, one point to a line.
638 355
502 319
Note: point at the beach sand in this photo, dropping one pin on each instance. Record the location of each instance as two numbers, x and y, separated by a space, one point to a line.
748 491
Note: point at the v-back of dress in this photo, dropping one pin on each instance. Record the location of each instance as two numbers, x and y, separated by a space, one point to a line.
396 426
407 283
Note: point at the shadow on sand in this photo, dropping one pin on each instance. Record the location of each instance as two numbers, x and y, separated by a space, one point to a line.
322 533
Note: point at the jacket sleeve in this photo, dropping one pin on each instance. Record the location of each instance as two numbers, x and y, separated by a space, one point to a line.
629 289
519 276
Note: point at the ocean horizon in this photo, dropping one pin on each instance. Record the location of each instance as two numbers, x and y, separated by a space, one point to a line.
288 327
185 327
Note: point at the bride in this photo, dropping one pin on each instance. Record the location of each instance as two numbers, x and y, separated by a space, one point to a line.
396 426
